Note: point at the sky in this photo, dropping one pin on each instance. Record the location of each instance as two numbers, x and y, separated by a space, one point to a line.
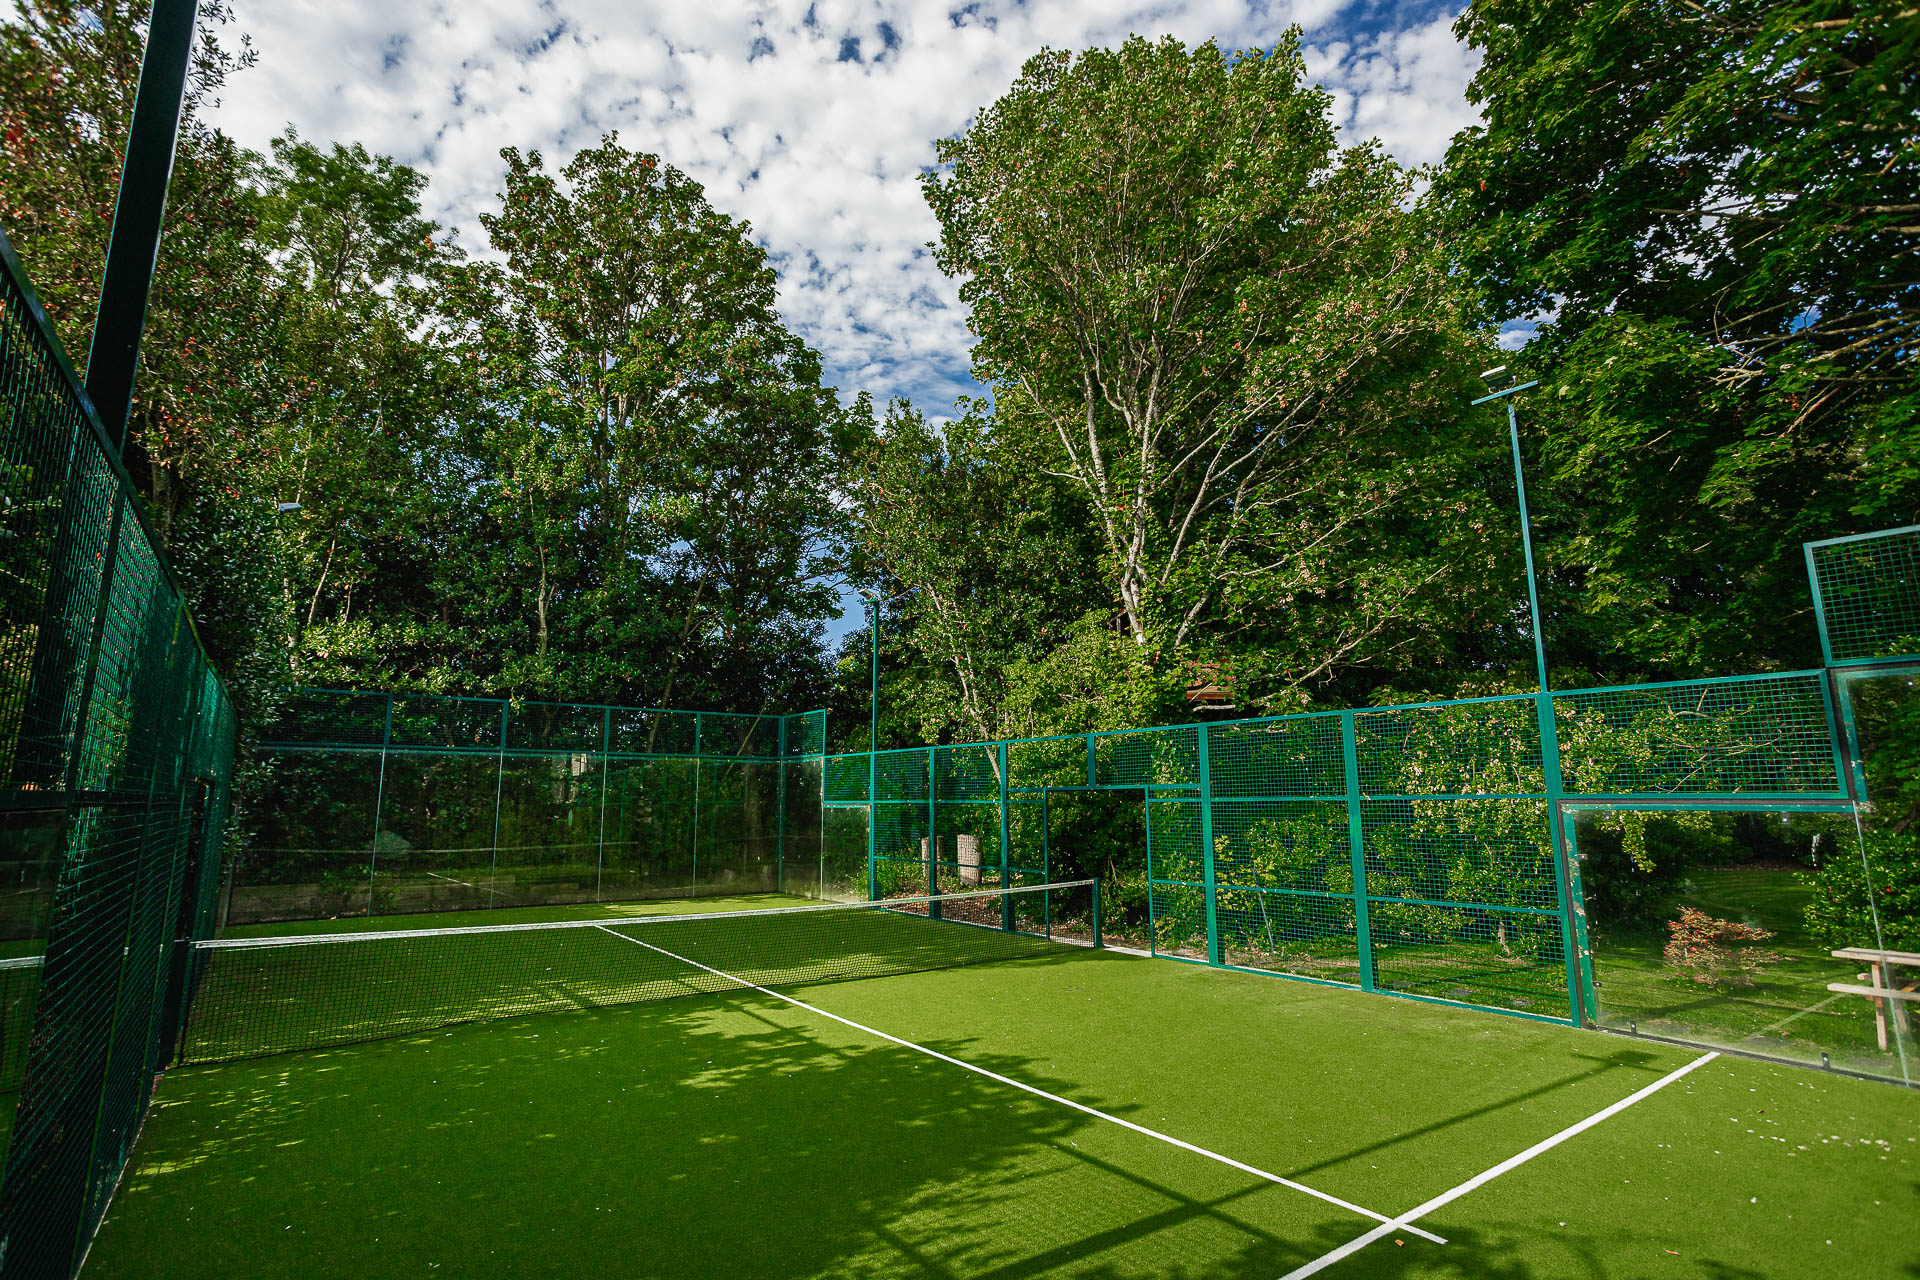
809 120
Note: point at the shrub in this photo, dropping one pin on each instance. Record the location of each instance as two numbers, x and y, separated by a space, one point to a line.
1710 950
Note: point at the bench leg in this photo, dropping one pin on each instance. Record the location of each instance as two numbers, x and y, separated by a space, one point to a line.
1879 1006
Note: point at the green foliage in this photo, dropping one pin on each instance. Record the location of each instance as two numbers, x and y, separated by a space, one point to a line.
1867 893
1714 951
1241 351
1714 203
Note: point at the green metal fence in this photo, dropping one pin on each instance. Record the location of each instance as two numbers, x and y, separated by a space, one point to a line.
1400 849
116 741
389 803
1866 591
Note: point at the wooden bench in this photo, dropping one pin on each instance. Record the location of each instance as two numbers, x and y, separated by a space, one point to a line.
1886 994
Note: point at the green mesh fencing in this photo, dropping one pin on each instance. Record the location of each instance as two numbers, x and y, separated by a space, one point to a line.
1866 595
400 803
116 743
1403 849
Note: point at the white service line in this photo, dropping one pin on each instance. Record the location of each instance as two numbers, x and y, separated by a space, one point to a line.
1405 1220
1169 1139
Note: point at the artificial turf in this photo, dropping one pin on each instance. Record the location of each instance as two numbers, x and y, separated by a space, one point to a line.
740 1136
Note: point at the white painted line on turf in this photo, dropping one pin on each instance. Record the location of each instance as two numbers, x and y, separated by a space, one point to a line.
1406 1220
1095 1112
450 880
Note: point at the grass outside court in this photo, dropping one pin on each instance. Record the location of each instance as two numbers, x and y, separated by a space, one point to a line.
739 1135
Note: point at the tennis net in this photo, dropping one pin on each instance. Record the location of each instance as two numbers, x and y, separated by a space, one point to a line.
259 996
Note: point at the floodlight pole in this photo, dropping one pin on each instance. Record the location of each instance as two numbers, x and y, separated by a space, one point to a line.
1526 525
1566 874
134 245
873 742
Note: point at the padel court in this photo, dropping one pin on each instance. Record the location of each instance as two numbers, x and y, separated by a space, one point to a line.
769 1087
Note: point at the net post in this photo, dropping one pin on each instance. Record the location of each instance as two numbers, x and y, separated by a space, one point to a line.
1006 851
1216 954
1096 913
1357 850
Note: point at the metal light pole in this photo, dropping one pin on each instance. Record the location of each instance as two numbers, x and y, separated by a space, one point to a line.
873 739
134 243
1526 520
1580 999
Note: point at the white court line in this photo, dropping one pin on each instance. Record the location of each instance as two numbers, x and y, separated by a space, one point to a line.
450 880
1405 1220
1095 1112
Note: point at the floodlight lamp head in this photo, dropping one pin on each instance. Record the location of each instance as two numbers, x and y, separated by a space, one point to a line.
281 508
1495 376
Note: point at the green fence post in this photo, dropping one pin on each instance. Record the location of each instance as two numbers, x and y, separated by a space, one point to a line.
1093 779
780 818
1216 953
606 780
933 832
695 883
379 803
1006 840
499 776
1046 858
1357 850
1578 966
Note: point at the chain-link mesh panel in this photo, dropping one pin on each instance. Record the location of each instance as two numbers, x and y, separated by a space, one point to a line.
1047 762
1764 734
806 733
902 777
1299 756
1499 959
446 724
727 734
1868 592
1284 876
966 773
844 779
115 742
1152 757
1451 748
1492 852
332 717
642 731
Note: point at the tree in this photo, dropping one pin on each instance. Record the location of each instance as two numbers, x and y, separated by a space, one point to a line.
67 81
1717 206
655 451
1241 346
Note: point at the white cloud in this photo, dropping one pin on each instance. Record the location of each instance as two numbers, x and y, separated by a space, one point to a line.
811 121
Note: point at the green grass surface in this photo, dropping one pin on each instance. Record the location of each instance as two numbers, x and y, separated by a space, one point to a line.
1787 1012
740 1136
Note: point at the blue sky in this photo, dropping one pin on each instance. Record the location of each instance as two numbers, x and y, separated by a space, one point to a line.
810 119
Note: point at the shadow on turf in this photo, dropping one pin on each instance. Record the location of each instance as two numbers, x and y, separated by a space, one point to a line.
1620 1060
722 1137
